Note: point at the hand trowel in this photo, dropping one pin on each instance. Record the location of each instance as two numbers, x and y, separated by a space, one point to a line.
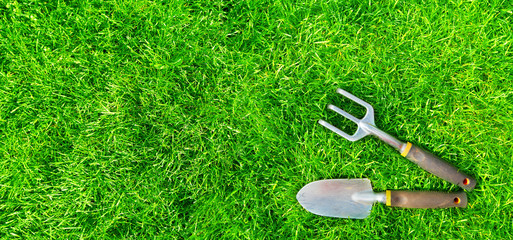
353 198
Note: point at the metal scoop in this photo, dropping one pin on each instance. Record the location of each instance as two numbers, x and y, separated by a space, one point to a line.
421 157
353 198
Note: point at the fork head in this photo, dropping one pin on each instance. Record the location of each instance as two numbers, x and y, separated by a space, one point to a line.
360 132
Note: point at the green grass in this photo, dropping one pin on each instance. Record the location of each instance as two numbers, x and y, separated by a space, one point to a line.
148 119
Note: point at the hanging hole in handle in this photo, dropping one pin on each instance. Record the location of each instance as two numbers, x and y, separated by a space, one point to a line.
466 181
457 200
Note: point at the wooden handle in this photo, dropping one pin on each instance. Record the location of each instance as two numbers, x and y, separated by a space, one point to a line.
409 199
438 167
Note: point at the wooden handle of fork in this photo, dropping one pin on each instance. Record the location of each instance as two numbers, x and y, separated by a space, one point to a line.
438 167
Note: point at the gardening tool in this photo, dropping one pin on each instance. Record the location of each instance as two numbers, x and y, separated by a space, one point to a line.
353 198
421 157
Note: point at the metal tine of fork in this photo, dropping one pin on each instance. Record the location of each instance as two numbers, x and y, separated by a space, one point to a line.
360 133
334 129
343 113
369 116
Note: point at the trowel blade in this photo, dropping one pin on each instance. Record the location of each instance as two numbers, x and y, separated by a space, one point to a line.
336 198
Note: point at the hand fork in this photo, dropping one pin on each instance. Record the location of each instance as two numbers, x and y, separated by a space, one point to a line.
421 157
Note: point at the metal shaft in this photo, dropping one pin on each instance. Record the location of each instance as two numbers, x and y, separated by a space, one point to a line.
369 197
385 137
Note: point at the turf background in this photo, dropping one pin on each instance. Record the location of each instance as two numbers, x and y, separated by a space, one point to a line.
197 119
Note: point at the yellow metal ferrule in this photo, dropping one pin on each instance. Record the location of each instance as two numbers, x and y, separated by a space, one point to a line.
406 150
388 198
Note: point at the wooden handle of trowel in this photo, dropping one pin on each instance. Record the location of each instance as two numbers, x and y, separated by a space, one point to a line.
438 167
409 199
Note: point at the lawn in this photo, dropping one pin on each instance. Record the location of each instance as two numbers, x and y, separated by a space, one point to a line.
197 119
